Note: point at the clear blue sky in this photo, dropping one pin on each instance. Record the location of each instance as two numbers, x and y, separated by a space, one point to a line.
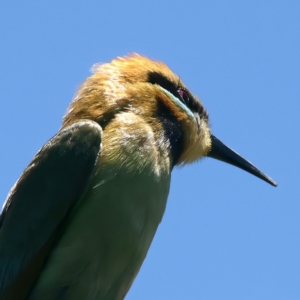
225 234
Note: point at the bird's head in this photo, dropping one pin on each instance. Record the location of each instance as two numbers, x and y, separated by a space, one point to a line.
151 91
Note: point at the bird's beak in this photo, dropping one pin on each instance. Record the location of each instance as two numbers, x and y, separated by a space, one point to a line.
221 152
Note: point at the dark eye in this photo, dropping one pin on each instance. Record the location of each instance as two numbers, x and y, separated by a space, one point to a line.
184 95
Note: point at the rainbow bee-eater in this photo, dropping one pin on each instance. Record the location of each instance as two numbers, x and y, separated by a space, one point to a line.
79 221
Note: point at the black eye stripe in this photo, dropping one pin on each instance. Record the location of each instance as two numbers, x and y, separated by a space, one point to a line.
157 78
178 92
185 96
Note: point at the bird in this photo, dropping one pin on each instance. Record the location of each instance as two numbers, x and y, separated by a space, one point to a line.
79 221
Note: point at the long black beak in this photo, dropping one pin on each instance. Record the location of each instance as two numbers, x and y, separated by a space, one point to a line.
222 152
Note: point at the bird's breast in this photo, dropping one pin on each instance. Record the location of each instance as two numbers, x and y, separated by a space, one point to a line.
110 230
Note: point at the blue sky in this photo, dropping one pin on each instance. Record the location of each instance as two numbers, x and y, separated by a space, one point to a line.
225 233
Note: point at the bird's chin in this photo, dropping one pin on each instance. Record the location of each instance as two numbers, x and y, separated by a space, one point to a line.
197 143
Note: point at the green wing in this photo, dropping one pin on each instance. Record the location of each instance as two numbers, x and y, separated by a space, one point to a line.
38 203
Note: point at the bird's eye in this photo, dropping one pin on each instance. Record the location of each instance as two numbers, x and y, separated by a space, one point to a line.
184 95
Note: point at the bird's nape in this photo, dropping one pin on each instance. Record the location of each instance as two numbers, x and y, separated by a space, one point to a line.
222 152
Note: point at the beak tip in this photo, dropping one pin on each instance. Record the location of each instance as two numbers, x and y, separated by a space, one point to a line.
272 182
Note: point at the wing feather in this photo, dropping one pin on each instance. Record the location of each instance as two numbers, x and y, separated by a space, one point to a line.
40 200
